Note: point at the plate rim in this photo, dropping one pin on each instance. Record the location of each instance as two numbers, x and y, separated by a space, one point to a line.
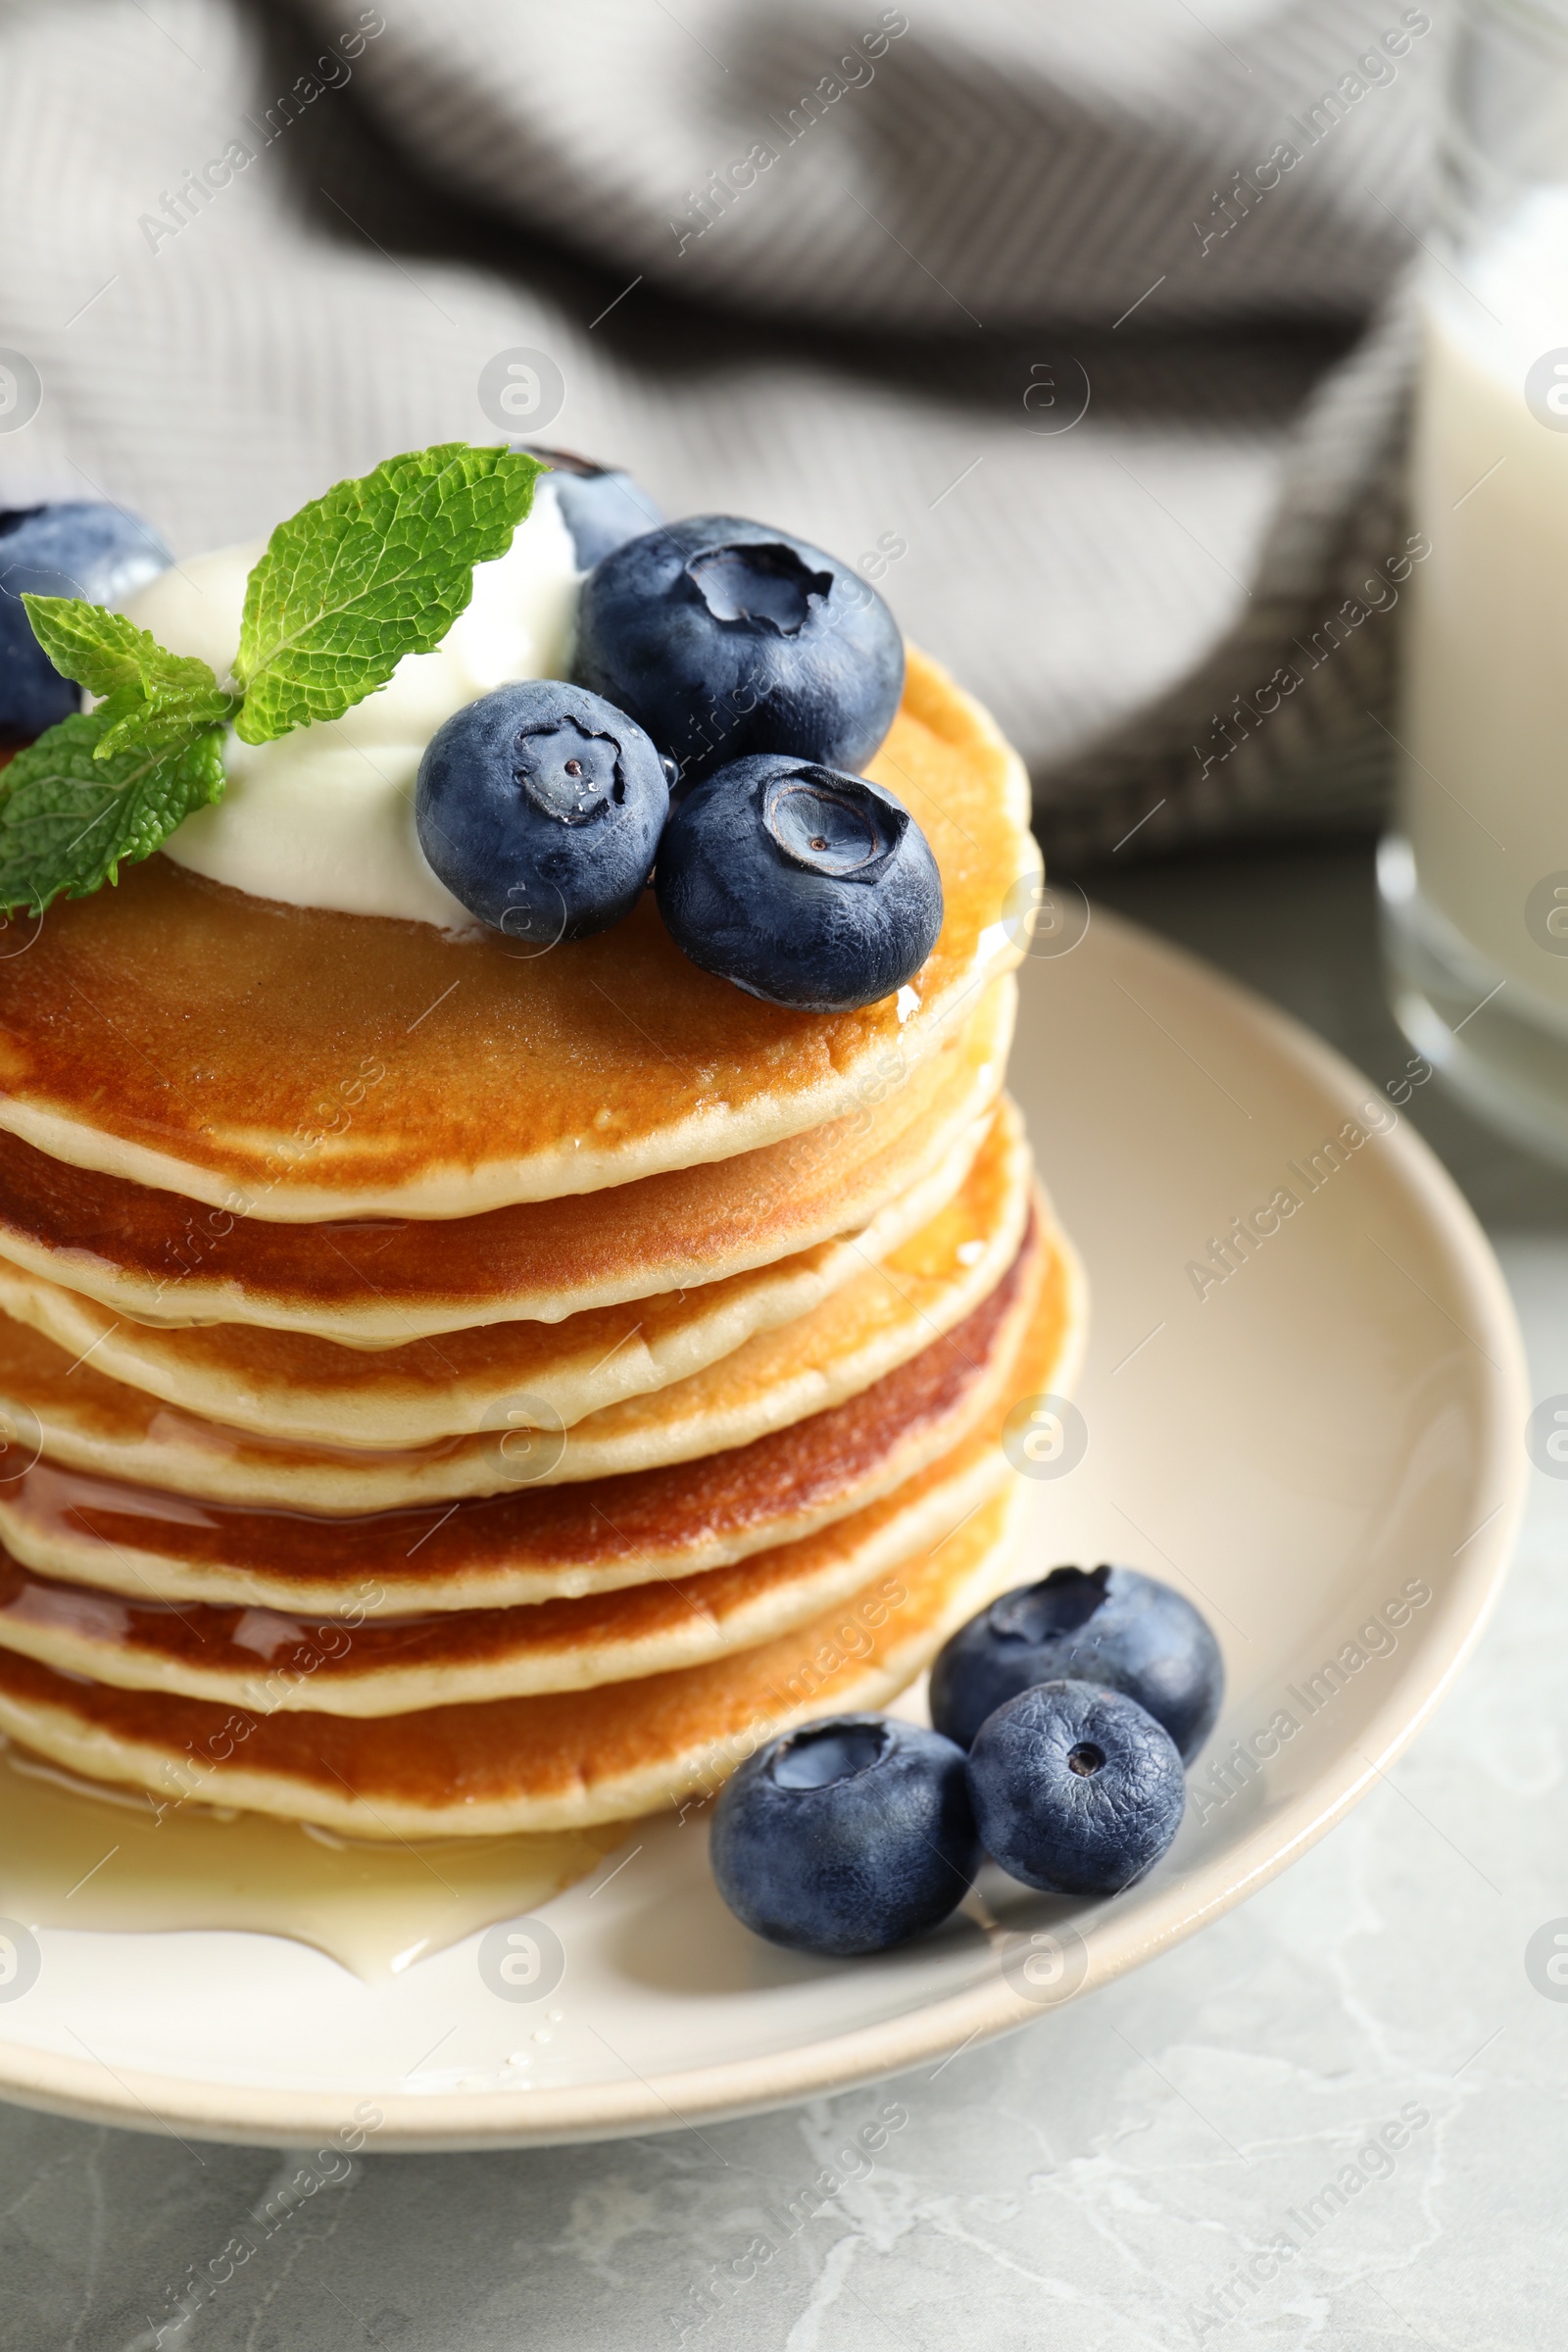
419 2122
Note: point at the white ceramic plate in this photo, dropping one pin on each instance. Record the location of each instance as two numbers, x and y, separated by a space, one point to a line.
1306 1448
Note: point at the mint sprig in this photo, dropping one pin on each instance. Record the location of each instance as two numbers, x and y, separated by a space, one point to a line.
70 817
104 651
377 568
166 699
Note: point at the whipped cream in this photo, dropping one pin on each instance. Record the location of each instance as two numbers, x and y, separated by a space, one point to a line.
324 816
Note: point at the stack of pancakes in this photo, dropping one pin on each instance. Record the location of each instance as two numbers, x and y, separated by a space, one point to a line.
455 1388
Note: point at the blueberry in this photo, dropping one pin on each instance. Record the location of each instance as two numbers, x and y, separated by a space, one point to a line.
1076 1790
540 807
802 885
601 507
848 1836
1106 1625
725 638
76 549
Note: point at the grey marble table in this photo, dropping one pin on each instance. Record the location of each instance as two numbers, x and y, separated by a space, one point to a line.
1113 2177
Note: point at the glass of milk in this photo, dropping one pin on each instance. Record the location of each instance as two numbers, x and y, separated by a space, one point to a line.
1474 879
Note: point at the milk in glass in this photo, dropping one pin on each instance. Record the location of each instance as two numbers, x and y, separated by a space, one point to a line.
1475 877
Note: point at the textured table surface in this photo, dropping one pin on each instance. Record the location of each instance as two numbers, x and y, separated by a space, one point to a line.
1103 2181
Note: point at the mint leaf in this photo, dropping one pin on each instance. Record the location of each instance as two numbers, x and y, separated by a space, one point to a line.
377 568
167 697
173 715
68 819
103 651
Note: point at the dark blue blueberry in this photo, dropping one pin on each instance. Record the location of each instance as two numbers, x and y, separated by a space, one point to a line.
76 549
1102 1625
725 637
601 507
1076 1790
802 885
540 807
848 1836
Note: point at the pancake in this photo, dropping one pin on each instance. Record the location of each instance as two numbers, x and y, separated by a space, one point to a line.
258 1660
874 1323
596 1536
297 1064
157 1258
560 1760
288 1384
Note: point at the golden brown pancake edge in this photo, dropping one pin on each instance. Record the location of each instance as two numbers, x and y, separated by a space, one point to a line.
572 1540
294 1064
163 1258
558 1761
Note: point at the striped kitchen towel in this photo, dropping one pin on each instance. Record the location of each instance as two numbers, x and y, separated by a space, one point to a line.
1078 329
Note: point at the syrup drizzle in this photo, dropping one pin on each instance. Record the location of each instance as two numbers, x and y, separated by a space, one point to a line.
75 1855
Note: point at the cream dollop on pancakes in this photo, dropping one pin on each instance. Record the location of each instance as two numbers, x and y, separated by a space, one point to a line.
292 1063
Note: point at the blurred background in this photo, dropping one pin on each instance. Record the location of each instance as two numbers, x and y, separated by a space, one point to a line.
1089 335
1079 330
